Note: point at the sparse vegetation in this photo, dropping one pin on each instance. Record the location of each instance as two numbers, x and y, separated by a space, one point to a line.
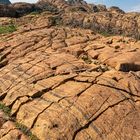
106 34
7 29
26 131
5 109
19 126
86 59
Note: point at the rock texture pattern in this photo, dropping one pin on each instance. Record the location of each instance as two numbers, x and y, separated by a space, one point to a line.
66 83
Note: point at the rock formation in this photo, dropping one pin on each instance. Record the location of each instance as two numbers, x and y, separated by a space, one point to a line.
81 14
61 80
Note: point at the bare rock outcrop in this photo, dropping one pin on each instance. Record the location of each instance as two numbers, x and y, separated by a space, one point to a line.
60 82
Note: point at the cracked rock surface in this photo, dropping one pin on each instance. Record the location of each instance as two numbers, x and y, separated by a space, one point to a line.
67 83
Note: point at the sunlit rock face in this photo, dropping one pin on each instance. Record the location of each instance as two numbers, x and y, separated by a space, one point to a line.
5 2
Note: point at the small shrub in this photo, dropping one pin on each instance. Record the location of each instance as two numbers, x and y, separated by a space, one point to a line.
5 109
106 34
86 59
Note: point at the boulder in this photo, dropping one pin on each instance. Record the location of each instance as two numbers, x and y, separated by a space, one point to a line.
23 8
7 11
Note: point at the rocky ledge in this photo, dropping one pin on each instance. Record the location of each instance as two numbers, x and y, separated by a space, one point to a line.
62 82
